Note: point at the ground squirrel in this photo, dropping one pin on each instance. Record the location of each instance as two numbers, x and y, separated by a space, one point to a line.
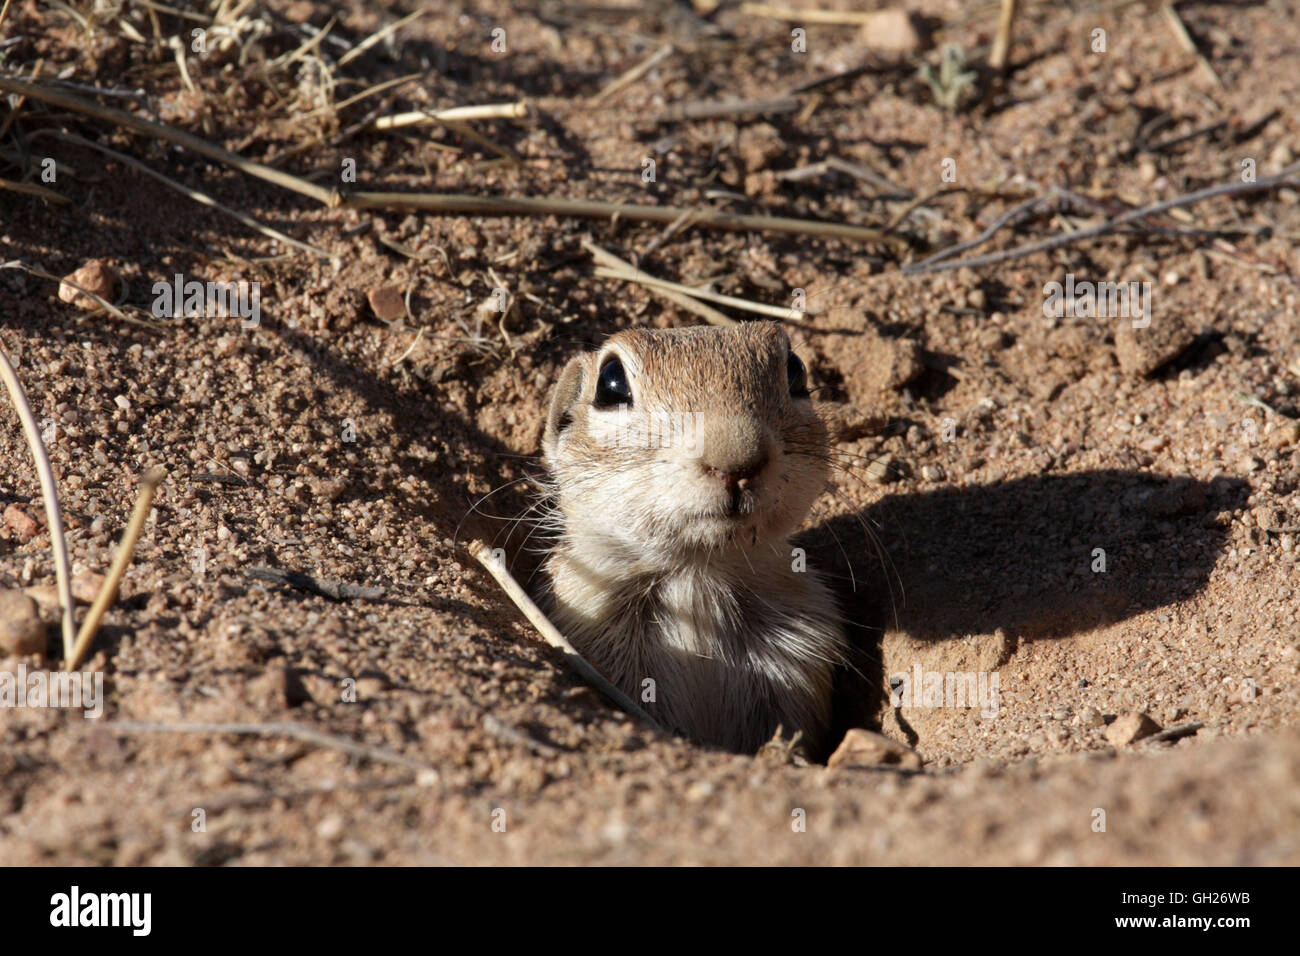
680 462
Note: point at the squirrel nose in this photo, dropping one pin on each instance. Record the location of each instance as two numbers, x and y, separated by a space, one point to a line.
734 449
736 476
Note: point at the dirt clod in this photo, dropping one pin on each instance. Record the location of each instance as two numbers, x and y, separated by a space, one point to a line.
894 30
863 748
96 277
21 630
86 586
1094 519
20 524
1143 351
1129 728
388 302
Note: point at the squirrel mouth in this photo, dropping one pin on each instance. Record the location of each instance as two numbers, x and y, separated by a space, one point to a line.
732 513
726 512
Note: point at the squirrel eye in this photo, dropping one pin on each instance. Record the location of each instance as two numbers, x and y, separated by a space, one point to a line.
611 385
798 376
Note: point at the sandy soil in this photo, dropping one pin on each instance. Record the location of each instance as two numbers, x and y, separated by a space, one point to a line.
987 451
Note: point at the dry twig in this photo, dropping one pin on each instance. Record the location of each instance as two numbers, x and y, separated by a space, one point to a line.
758 308
628 271
455 114
1187 43
199 197
1002 42
634 74
126 547
552 636
50 494
448 203
942 260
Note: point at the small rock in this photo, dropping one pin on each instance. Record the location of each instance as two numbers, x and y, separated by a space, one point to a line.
46 596
1269 518
1089 717
862 748
990 339
21 630
20 523
331 828
427 778
86 587
699 791
1155 443
907 365
1284 435
328 489
932 473
759 145
1143 351
885 362
387 302
94 277
893 30
300 11
1130 727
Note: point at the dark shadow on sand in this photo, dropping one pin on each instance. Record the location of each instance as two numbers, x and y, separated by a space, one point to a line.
1019 555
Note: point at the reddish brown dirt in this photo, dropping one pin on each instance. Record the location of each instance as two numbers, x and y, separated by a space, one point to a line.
1019 444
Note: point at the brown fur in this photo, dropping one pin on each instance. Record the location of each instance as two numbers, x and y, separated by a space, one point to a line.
672 563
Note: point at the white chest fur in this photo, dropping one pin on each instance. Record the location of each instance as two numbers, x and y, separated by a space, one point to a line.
718 654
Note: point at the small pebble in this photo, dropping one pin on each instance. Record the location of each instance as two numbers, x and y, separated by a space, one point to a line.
892 30
94 277
1089 717
331 828
20 523
86 586
1130 728
863 748
387 302
21 630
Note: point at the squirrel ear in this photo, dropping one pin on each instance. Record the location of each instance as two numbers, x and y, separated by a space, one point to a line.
563 397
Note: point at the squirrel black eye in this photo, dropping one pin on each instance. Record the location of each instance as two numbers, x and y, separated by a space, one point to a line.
798 376
611 386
